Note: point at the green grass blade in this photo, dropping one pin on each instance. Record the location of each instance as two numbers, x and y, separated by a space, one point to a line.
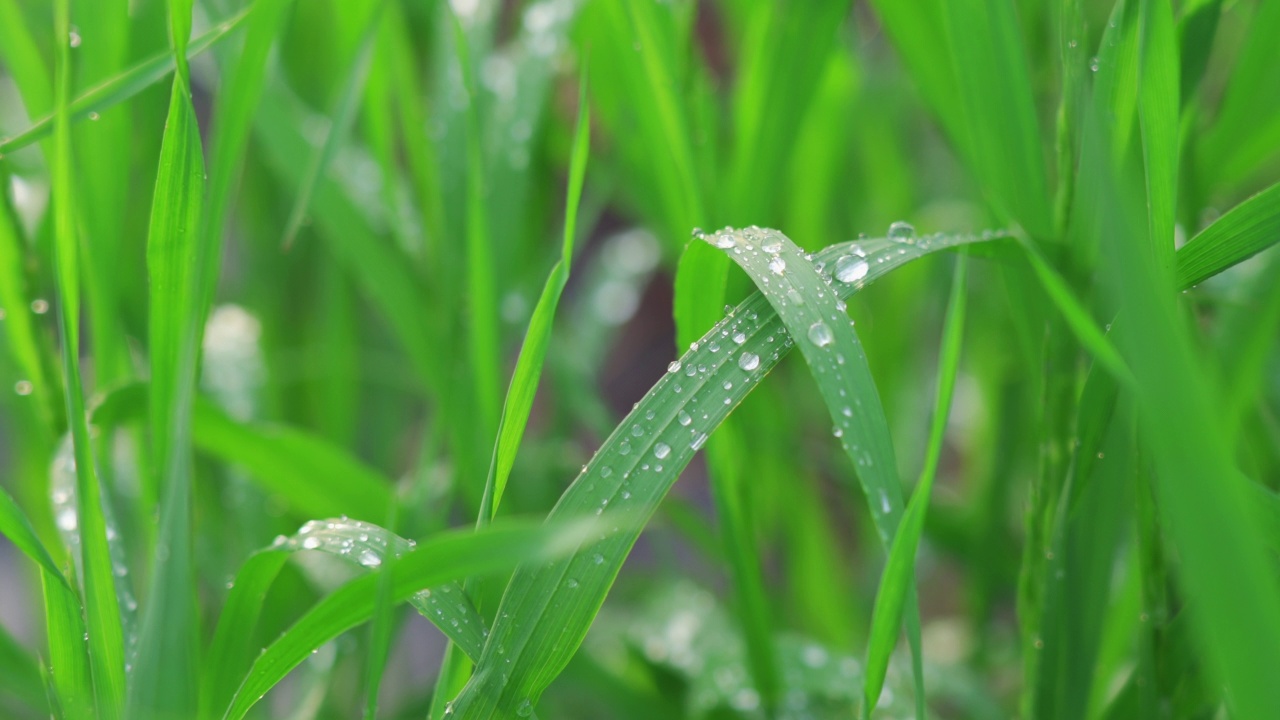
15 526
1244 231
101 606
181 270
341 117
1076 316
24 62
547 608
995 90
1158 106
896 580
314 477
439 560
808 305
122 87
238 98
524 379
20 674
367 546
68 660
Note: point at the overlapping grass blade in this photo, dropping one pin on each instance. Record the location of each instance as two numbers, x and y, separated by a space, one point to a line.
1244 231
68 660
181 273
895 581
315 478
20 331
547 608
441 559
20 674
528 370
121 87
101 606
1158 106
25 63
15 526
366 545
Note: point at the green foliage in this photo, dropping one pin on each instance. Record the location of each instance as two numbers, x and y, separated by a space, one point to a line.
266 267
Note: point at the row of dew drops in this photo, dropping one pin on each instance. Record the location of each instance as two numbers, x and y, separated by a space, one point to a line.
39 306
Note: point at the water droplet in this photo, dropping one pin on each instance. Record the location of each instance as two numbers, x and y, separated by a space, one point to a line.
749 361
606 471
93 116
820 334
311 543
683 418
597 559
724 241
1094 65
624 448
814 656
777 265
673 366
525 709
795 297
73 37
637 431
837 431
661 450
851 268
67 519
23 387
698 441
884 501
901 230
571 583
772 247
369 558
39 306
740 338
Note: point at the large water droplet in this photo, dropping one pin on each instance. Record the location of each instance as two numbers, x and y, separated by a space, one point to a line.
661 450
777 265
851 268
748 361
525 708
901 230
683 418
67 519
820 334
724 240
673 366
23 387
369 558
39 306
311 543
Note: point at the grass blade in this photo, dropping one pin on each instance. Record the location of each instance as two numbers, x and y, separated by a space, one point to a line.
181 269
101 606
15 526
547 608
899 571
68 652
444 558
1158 106
524 379
123 86
1244 231
20 331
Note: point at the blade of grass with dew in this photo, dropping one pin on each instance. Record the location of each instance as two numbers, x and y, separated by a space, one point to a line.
20 331
166 682
441 559
314 477
899 570
341 116
1245 135
122 87
547 608
1244 231
69 653
799 293
368 546
237 100
15 526
995 90
528 370
101 606
1158 120
1222 566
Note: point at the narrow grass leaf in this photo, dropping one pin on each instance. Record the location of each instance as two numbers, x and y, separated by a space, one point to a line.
1158 107
899 571
15 526
444 558
25 63
547 608
1244 231
20 331
68 660
124 86
180 271
20 674
101 606
528 370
